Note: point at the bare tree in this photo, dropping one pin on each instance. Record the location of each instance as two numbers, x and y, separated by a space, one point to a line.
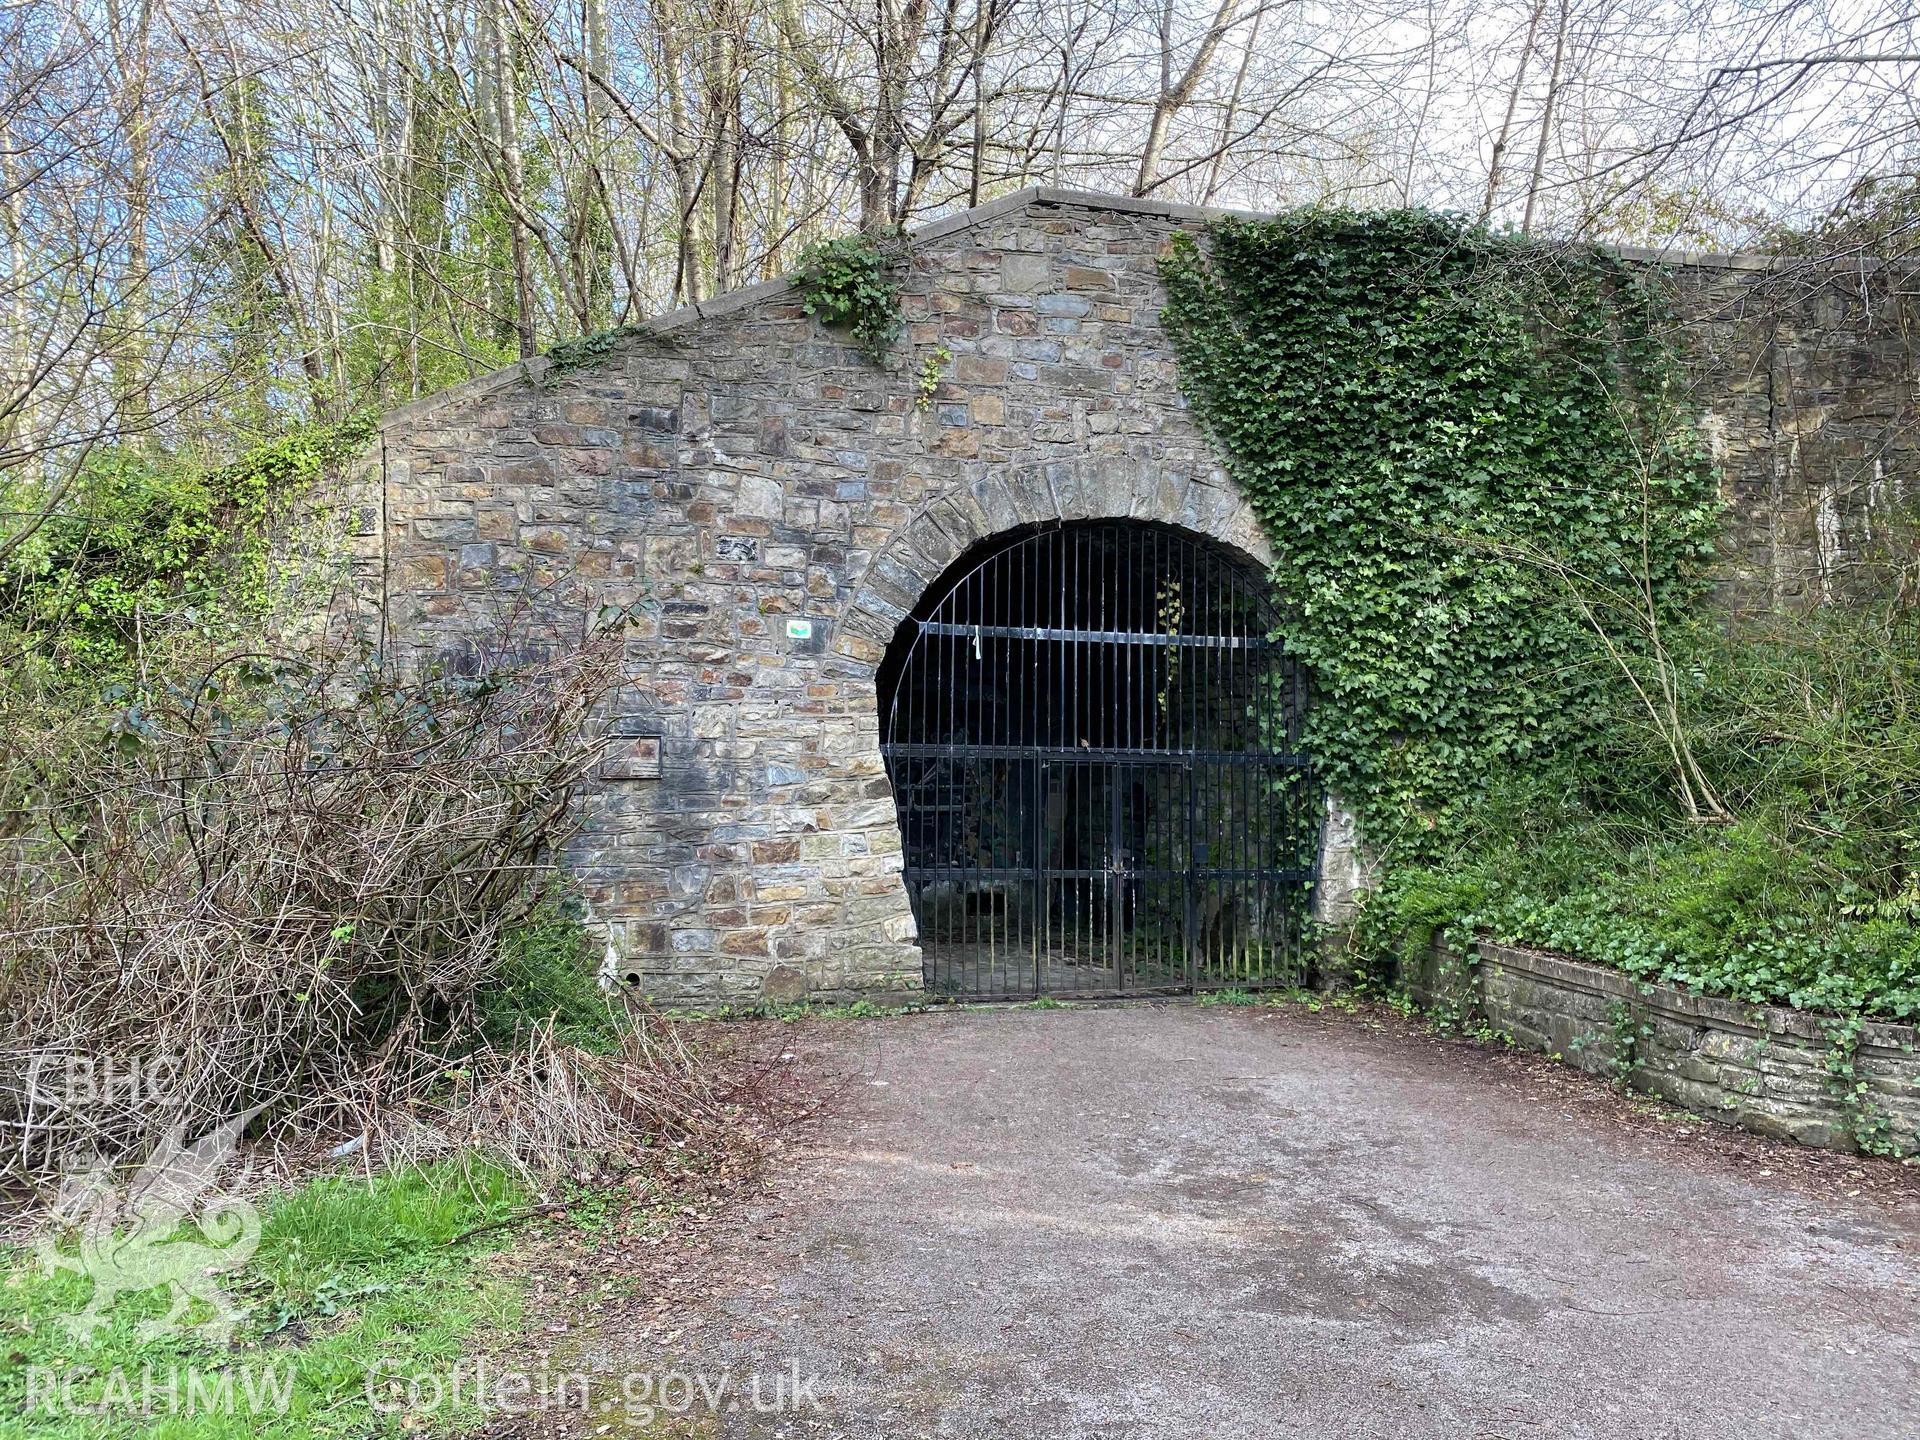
1546 119
1176 89
94 286
351 202
1513 104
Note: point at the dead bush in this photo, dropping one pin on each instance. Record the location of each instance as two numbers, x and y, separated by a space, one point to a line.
657 1101
275 883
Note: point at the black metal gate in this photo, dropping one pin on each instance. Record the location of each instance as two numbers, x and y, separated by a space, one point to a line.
1092 739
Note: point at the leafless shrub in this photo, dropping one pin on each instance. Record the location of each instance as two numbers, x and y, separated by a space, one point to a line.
279 884
659 1102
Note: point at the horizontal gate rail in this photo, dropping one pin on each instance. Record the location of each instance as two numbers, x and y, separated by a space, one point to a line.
1097 637
1294 875
1104 755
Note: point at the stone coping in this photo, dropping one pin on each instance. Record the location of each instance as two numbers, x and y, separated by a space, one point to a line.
734 300
1672 1003
1765 1068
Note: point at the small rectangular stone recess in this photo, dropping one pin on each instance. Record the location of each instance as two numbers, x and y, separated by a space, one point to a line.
632 757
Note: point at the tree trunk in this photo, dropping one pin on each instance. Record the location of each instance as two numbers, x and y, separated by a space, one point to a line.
723 104
688 276
976 171
1546 121
131 37
513 176
593 220
1175 94
1233 106
1513 104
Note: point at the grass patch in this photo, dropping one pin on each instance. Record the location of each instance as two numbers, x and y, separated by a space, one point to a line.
351 1278
1281 997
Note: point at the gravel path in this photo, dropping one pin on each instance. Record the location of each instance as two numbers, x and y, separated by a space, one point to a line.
1166 1221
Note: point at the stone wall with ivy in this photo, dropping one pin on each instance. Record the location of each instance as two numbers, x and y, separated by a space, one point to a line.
1495 473
769 503
1797 1076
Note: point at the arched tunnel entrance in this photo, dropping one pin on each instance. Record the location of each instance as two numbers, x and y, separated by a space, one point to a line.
1093 741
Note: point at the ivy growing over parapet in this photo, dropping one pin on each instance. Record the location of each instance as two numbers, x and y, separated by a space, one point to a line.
847 284
1483 494
583 352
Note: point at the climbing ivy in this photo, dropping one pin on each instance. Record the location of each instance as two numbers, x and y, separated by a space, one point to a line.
1447 434
848 284
143 535
583 352
926 384
1868 1125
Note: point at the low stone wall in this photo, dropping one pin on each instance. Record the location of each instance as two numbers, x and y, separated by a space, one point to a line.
1756 1066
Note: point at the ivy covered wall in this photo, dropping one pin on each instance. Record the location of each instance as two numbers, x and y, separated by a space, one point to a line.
1483 486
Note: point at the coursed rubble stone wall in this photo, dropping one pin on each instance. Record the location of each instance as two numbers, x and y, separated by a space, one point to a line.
782 504
1757 1066
1808 379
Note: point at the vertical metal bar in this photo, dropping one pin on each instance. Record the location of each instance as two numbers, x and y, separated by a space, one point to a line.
1039 871
1243 820
973 704
1192 886
1209 795
1080 700
1017 776
943 790
1120 552
1115 935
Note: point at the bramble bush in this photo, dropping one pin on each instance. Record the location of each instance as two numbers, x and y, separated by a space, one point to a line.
848 284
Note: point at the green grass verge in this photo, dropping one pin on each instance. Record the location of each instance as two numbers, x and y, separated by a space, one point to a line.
351 1278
